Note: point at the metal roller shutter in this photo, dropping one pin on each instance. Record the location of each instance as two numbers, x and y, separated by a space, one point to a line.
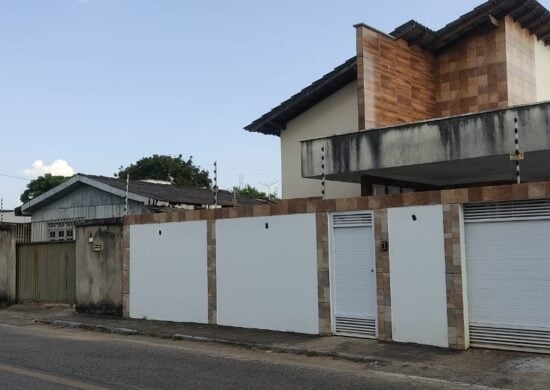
354 276
508 274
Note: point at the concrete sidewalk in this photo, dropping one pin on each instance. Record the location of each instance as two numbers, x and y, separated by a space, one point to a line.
498 369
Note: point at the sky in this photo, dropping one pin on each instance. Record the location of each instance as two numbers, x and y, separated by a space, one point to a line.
91 85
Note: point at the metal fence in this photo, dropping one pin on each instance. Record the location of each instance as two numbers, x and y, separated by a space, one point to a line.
23 232
46 272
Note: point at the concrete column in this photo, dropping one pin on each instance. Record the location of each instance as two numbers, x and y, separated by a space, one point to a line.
323 274
7 264
99 276
211 260
382 275
454 257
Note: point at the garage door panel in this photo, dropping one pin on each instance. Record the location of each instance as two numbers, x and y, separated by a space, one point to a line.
508 274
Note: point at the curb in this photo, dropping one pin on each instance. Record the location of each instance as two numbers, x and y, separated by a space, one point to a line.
99 328
183 337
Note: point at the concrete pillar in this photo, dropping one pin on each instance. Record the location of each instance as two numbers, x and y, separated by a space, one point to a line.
7 265
99 277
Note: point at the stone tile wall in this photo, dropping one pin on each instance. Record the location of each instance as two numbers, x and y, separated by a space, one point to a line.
453 267
395 81
382 275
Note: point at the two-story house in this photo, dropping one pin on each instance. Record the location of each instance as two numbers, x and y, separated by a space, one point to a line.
422 109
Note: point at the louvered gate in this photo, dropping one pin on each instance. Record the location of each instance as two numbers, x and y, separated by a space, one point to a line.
353 275
46 272
508 271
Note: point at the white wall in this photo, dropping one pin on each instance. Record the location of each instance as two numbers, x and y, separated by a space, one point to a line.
417 275
267 277
168 272
542 62
337 114
10 217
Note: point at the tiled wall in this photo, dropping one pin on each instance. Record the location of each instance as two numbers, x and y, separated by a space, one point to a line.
520 56
492 68
453 272
471 75
395 81
382 276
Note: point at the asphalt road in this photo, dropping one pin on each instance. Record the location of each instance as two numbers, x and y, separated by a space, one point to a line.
36 357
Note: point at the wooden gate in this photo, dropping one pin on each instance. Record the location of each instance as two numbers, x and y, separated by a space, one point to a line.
46 272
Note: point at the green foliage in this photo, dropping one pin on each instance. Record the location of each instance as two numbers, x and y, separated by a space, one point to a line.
249 191
162 167
40 185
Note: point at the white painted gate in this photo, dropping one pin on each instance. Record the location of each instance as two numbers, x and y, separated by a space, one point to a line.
508 270
353 275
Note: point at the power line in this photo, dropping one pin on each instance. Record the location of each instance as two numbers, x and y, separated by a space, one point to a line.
15 177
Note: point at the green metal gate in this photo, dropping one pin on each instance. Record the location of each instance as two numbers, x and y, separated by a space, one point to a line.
46 272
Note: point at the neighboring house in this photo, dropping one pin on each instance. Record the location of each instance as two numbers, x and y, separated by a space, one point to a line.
424 98
8 216
86 197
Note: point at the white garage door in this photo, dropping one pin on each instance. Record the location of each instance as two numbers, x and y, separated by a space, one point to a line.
508 270
353 275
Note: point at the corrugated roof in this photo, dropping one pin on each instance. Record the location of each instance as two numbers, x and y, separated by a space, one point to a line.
175 195
529 13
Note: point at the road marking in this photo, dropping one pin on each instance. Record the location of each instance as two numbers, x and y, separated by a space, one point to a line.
49 378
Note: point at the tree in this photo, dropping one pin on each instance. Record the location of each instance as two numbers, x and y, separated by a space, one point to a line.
249 191
180 172
40 185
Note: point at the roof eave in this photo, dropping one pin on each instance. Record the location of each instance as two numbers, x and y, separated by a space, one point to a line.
273 122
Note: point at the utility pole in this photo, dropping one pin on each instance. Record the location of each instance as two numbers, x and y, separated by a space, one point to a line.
1 210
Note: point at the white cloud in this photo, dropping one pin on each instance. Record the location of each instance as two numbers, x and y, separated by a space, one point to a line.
56 168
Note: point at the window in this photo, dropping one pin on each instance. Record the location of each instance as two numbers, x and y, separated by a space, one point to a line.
61 231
